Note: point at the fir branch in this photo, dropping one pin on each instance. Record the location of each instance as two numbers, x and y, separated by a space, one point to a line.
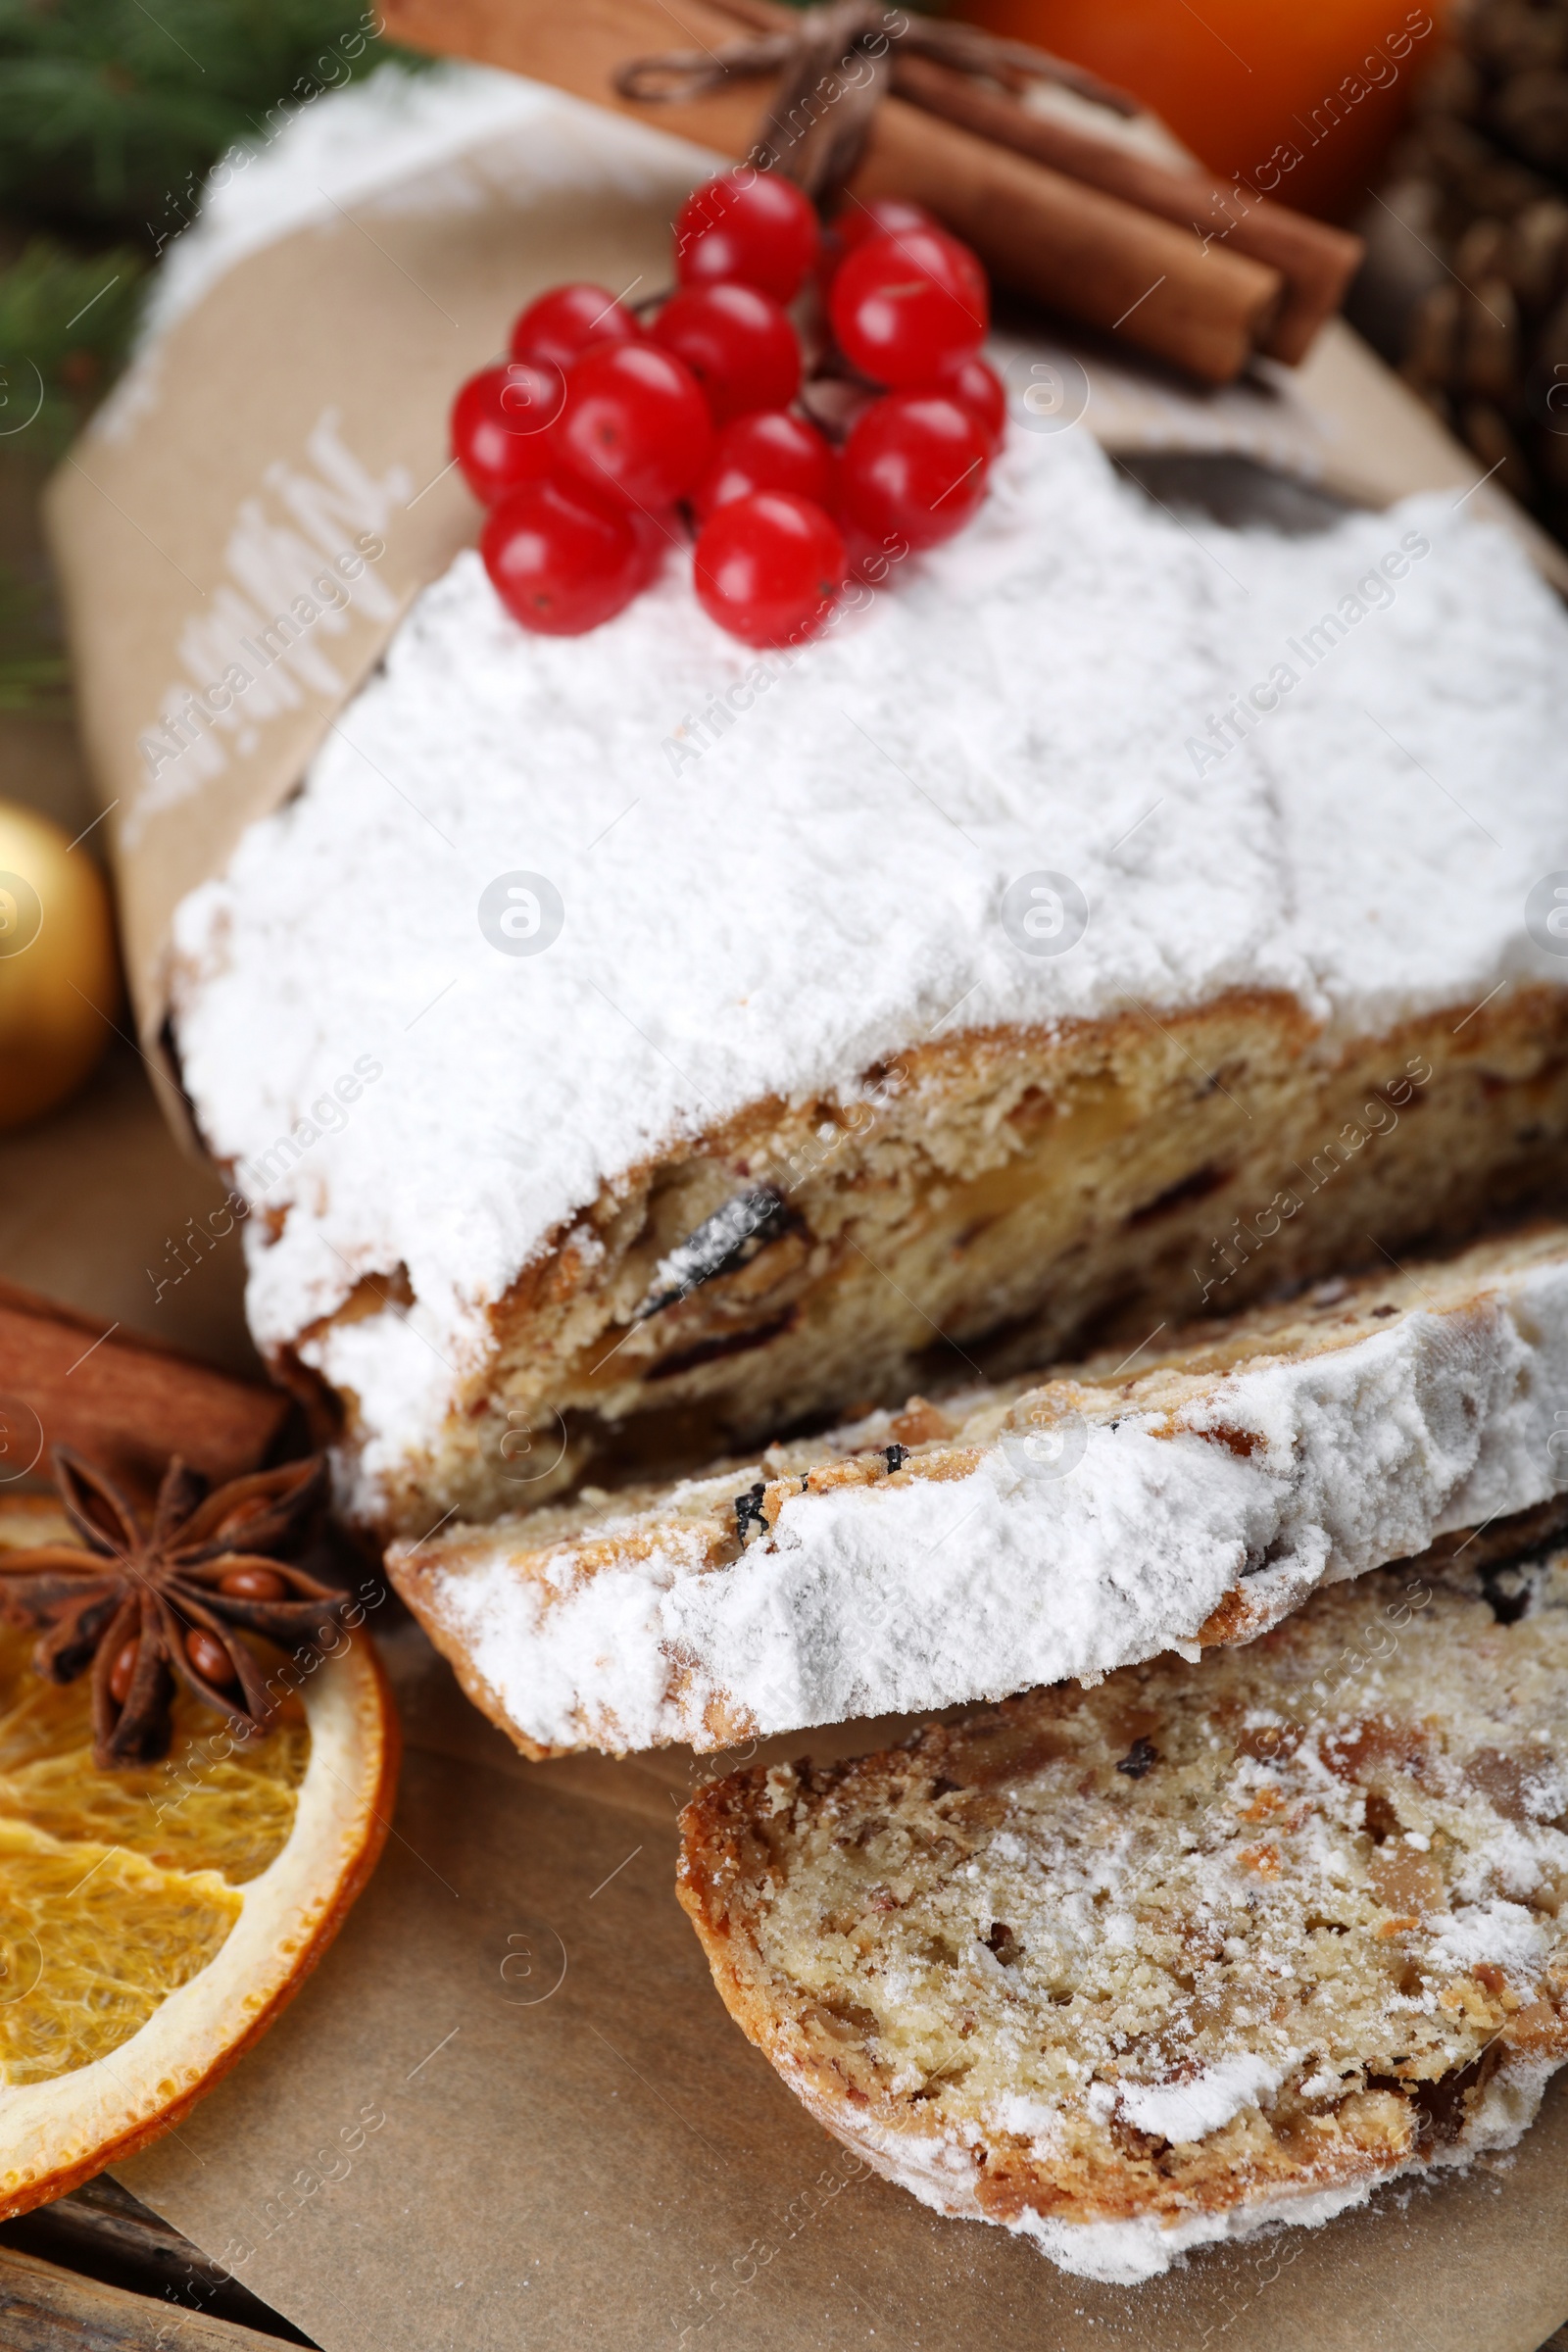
65 323
34 674
112 113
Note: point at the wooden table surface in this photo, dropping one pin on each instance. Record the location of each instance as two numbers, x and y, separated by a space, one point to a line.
98 2271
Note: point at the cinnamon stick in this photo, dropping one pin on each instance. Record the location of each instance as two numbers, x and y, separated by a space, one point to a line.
1088 254
1316 261
126 1401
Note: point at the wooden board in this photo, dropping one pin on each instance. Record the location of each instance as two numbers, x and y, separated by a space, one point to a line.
101 2261
43 2309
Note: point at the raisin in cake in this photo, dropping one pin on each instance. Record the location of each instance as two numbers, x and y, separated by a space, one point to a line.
1208 1947
1059 1526
1113 916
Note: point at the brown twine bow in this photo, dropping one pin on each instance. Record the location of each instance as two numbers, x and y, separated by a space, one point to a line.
837 63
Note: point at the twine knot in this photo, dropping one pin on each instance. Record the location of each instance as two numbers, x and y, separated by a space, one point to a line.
837 62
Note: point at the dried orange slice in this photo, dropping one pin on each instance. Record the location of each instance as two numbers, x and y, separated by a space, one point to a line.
154 1921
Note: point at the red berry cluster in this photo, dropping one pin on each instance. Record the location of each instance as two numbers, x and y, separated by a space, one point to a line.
597 433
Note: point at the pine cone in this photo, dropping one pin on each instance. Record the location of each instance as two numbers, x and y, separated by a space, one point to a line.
1470 246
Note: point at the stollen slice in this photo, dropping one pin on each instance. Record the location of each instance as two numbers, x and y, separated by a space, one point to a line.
1063 1525
1208 1947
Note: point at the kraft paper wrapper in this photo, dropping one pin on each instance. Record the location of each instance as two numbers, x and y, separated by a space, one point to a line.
580 2152
302 402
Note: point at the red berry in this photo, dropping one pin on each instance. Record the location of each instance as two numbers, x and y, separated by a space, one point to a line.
560 561
979 389
498 426
635 425
856 222
770 450
884 217
749 226
737 342
915 468
569 320
768 567
905 308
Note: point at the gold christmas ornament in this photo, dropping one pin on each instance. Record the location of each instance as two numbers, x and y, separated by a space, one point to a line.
58 975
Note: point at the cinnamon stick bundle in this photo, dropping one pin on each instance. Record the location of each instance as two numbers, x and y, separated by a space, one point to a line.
124 1402
1316 261
1081 249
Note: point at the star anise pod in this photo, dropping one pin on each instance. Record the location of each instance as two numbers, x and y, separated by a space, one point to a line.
146 1604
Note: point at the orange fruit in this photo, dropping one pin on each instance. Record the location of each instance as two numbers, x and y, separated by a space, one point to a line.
1300 103
154 1921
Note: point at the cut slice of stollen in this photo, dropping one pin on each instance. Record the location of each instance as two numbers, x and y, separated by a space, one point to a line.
1056 1527
1206 1948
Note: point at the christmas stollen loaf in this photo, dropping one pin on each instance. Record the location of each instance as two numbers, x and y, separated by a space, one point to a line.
1001 970
1045 1529
1109 910
1201 1950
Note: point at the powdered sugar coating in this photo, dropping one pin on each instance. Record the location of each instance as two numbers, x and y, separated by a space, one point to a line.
1207 2101
941 2173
